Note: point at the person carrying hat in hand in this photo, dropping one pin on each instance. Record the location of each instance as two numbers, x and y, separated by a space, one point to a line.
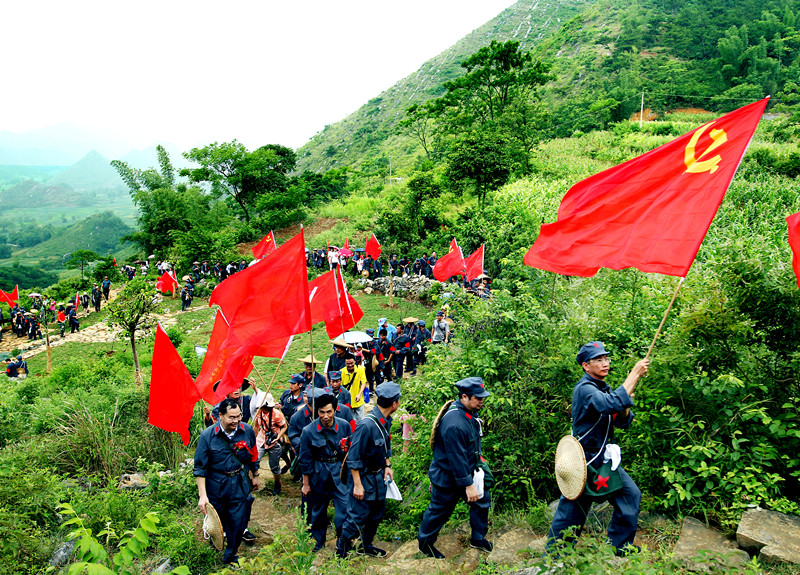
596 411
456 460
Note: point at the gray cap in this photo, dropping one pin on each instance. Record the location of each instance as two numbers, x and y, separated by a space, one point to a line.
388 390
472 386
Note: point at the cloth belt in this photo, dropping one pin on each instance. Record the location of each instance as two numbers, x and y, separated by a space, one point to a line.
231 473
330 460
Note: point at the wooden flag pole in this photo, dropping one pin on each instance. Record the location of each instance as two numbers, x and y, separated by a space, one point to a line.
664 319
313 370
271 381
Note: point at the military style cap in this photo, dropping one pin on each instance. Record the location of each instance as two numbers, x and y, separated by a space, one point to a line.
472 386
591 350
335 374
369 331
317 392
440 313
297 378
382 321
421 323
388 390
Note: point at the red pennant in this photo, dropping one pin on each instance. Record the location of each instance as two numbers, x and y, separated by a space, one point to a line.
272 294
267 245
172 391
793 222
451 264
651 212
166 283
373 247
474 263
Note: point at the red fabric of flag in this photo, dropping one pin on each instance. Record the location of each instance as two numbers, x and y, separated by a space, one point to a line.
238 365
451 264
793 222
166 283
214 360
172 391
474 263
15 294
651 212
332 303
272 293
267 245
373 247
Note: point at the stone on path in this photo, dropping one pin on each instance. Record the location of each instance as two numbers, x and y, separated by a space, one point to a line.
407 560
507 547
776 536
132 481
703 549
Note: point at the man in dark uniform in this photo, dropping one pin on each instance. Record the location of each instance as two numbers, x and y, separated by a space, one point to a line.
323 445
386 353
85 302
106 285
310 374
336 362
394 266
304 415
402 343
456 453
378 268
226 468
74 323
292 398
596 410
370 464
97 297
368 351
431 262
340 393
403 266
421 339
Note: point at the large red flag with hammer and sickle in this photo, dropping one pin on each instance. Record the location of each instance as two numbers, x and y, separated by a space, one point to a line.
652 212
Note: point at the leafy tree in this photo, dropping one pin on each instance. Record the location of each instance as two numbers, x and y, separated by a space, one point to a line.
131 311
419 124
482 161
106 267
232 170
80 259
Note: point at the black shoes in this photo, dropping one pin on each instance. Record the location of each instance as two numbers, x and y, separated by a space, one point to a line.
248 538
370 551
429 550
481 545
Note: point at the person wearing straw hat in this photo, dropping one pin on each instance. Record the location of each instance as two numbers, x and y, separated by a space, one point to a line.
596 411
336 361
368 353
226 470
270 425
310 374
323 445
456 461
369 460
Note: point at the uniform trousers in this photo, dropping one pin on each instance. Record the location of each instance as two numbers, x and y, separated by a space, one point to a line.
443 502
232 503
317 502
624 520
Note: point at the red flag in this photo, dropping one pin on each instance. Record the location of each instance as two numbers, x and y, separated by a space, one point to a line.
793 222
373 247
166 282
651 212
451 264
214 360
77 300
15 293
474 263
272 294
267 245
172 391
346 251
238 366
115 262
10 298
331 303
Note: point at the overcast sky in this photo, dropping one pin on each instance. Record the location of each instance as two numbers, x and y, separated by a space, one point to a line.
191 73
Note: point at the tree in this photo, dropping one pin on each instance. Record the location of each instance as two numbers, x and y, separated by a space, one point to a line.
131 311
232 170
80 259
481 160
106 267
419 124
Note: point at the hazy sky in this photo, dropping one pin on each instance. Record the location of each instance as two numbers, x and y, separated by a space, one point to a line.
195 72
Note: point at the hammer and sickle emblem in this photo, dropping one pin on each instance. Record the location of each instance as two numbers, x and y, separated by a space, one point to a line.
696 165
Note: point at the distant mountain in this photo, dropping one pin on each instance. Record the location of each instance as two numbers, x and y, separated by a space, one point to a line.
30 193
11 175
91 173
99 233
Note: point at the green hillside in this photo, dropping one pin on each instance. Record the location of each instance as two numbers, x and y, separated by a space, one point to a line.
99 233
92 173
712 55
12 175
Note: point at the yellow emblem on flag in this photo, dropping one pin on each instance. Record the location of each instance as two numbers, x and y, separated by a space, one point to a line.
696 165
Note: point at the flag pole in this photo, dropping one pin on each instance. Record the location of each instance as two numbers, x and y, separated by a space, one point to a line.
664 319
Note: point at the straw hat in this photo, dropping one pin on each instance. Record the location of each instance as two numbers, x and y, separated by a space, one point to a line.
340 341
410 319
482 277
570 467
212 527
375 362
309 359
